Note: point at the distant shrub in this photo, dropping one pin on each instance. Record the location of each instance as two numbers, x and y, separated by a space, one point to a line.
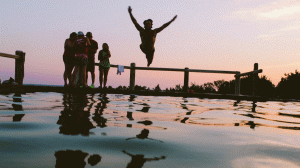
289 86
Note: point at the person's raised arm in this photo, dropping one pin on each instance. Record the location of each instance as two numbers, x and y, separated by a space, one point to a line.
165 25
138 27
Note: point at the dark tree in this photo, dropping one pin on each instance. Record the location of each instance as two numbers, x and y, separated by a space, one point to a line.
288 87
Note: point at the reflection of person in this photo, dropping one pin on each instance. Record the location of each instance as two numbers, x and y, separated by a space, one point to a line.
138 161
73 119
94 159
92 49
148 36
104 65
81 59
143 135
75 159
98 118
69 57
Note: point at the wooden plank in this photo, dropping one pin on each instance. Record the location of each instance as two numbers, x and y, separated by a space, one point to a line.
177 69
159 69
9 56
214 71
250 73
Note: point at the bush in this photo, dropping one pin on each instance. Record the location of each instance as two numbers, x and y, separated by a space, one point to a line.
289 86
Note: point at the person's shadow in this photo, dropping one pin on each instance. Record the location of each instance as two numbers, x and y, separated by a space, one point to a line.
75 159
138 161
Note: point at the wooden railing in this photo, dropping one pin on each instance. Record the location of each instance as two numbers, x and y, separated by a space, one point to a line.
186 71
19 65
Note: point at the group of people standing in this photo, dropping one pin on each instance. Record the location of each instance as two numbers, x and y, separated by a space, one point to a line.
79 56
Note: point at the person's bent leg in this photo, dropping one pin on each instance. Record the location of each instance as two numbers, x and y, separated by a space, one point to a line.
66 74
84 76
69 73
93 77
73 76
92 70
87 76
142 49
149 57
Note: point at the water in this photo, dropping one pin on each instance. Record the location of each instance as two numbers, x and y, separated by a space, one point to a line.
63 130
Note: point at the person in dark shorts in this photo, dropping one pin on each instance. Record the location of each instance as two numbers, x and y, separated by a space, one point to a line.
92 49
81 59
148 36
69 57
104 64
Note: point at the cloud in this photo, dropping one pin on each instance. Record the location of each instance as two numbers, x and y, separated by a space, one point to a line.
277 10
281 13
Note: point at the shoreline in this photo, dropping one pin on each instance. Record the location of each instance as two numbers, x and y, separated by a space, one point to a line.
7 89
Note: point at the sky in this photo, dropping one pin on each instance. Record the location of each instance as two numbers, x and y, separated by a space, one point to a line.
207 34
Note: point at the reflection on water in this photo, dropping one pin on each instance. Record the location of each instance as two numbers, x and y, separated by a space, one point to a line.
74 120
138 161
144 135
70 158
73 129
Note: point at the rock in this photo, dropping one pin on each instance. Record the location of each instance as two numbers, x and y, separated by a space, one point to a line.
9 82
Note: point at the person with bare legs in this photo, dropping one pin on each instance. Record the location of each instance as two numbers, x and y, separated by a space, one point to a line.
69 57
92 49
81 59
148 36
104 64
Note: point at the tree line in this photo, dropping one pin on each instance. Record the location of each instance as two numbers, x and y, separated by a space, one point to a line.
288 87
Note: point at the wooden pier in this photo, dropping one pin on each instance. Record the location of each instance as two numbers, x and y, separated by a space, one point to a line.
19 76
237 75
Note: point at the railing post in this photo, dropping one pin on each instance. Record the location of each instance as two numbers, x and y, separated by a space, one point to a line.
237 83
255 80
19 67
186 79
132 76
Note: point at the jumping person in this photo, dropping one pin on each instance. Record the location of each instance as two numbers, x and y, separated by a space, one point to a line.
148 36
104 64
92 49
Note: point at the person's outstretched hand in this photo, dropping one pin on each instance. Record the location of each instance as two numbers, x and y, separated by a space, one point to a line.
172 19
129 9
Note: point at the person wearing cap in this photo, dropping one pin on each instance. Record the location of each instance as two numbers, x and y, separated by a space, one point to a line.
148 36
81 59
92 49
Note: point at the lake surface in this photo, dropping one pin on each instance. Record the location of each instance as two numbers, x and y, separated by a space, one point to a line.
118 131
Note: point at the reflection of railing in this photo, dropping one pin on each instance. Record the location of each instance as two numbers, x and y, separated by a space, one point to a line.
186 71
19 65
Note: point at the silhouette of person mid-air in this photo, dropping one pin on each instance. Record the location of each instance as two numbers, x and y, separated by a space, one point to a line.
148 36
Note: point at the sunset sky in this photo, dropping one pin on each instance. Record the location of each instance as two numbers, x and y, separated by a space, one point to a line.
207 34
